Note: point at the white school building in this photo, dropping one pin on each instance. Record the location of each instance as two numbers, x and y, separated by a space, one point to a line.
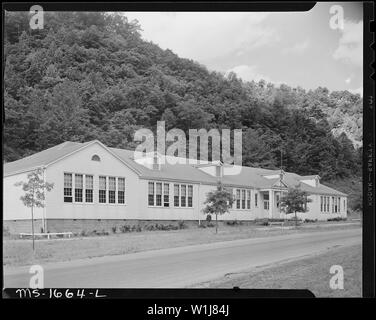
97 187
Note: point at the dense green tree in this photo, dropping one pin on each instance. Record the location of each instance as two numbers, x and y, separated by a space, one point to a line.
218 202
91 76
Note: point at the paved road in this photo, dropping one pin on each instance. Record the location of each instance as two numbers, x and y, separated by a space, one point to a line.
184 266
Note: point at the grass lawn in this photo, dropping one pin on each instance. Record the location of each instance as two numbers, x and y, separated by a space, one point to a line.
308 273
19 252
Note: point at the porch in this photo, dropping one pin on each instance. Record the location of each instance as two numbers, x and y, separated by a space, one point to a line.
270 206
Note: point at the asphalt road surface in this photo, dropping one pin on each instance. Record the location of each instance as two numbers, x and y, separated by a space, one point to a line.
184 266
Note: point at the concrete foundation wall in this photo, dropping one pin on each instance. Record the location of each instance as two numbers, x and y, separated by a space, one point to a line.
18 226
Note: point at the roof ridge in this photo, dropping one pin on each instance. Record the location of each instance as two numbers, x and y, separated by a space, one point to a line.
57 147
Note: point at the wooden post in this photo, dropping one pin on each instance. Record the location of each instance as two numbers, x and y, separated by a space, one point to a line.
32 225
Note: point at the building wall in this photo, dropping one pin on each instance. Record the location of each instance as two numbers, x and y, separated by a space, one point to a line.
314 209
195 213
13 207
136 197
81 163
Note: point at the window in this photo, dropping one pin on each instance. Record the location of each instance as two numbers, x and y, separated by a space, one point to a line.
248 199
78 186
327 204
89 188
95 158
111 190
102 189
68 187
339 204
266 201
256 198
121 190
158 194
190 196
243 199
166 195
277 200
321 203
332 204
237 198
183 195
176 195
151 194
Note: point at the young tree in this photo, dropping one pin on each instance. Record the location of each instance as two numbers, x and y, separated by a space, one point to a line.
34 196
218 202
295 201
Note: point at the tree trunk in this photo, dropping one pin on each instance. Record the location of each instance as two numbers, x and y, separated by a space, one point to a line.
32 225
216 223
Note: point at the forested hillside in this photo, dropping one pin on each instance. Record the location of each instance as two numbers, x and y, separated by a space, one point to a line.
90 76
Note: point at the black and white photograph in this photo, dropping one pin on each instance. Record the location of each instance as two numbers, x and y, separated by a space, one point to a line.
185 149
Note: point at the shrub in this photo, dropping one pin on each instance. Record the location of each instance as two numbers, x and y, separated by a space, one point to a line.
114 229
233 223
182 225
310 220
262 222
150 227
208 218
336 219
125 228
83 233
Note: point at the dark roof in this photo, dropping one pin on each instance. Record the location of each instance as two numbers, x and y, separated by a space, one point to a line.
249 177
42 158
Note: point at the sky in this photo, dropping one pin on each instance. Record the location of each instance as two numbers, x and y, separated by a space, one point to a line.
295 48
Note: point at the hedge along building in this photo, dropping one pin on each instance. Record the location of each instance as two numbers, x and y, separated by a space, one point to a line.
97 187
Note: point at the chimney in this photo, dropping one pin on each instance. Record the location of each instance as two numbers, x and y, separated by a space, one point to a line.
218 171
156 163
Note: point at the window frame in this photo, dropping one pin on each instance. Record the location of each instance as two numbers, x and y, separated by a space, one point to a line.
88 189
105 190
190 196
150 183
114 192
243 198
118 191
237 199
266 202
180 197
76 193
164 203
176 196
158 196
248 196
183 197
71 188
